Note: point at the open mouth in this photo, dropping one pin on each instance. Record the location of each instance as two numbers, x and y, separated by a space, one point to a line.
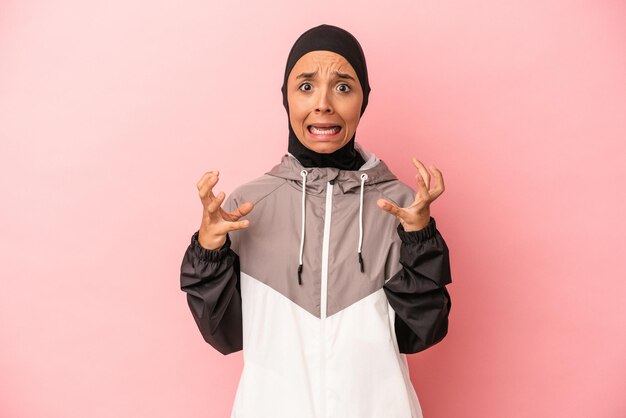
324 130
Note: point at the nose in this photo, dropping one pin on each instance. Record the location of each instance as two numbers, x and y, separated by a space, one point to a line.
324 102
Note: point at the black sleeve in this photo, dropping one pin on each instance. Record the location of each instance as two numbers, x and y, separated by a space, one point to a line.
211 279
417 293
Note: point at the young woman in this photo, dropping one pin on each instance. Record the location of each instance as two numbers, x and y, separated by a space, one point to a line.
337 270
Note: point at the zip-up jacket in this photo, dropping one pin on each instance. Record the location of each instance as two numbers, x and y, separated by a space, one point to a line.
324 292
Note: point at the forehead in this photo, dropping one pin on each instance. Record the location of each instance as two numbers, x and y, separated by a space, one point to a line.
324 60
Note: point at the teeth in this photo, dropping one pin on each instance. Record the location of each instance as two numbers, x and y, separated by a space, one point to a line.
320 131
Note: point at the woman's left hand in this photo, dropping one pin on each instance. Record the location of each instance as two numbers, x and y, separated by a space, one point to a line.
417 216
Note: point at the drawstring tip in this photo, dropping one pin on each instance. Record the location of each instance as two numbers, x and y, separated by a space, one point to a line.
361 262
300 274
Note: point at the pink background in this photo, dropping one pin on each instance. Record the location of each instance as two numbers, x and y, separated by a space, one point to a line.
111 111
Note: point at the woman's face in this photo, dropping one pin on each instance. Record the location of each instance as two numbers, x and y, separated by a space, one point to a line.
325 98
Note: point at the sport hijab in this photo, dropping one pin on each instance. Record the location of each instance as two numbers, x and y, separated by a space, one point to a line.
327 38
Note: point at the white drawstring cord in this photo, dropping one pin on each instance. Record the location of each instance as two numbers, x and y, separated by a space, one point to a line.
303 173
363 178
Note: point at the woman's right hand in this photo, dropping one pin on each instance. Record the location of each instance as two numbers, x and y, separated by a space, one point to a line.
216 222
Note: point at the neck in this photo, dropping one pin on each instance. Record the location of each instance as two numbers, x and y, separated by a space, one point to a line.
345 158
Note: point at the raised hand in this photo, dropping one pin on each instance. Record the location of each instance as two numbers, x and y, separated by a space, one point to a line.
417 216
216 222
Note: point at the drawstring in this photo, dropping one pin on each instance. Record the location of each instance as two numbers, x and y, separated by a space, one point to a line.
303 173
363 178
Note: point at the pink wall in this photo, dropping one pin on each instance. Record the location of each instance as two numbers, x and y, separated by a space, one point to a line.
111 111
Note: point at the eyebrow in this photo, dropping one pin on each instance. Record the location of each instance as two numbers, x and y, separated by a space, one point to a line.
312 75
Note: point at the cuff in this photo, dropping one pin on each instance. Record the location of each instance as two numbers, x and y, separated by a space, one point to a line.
206 254
415 237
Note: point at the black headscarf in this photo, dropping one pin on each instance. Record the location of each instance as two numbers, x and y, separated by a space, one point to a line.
328 38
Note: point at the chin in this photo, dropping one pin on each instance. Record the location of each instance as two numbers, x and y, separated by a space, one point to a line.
324 147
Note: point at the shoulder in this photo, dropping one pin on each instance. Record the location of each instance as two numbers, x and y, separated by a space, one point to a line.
396 191
257 189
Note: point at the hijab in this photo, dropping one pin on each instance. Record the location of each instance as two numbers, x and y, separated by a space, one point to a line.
328 38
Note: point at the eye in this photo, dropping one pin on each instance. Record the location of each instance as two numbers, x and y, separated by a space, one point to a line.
305 84
347 87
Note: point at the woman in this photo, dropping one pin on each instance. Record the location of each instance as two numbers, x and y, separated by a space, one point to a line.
323 290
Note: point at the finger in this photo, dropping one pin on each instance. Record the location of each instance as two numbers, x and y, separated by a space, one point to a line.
204 177
422 189
225 227
242 210
238 225
208 178
389 207
439 185
422 170
216 203
206 189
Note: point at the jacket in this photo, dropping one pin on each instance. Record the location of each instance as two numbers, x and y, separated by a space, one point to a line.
324 292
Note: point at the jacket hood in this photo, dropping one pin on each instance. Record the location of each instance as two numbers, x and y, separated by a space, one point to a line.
375 170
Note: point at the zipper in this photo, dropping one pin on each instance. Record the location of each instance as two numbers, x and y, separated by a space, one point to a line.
324 291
